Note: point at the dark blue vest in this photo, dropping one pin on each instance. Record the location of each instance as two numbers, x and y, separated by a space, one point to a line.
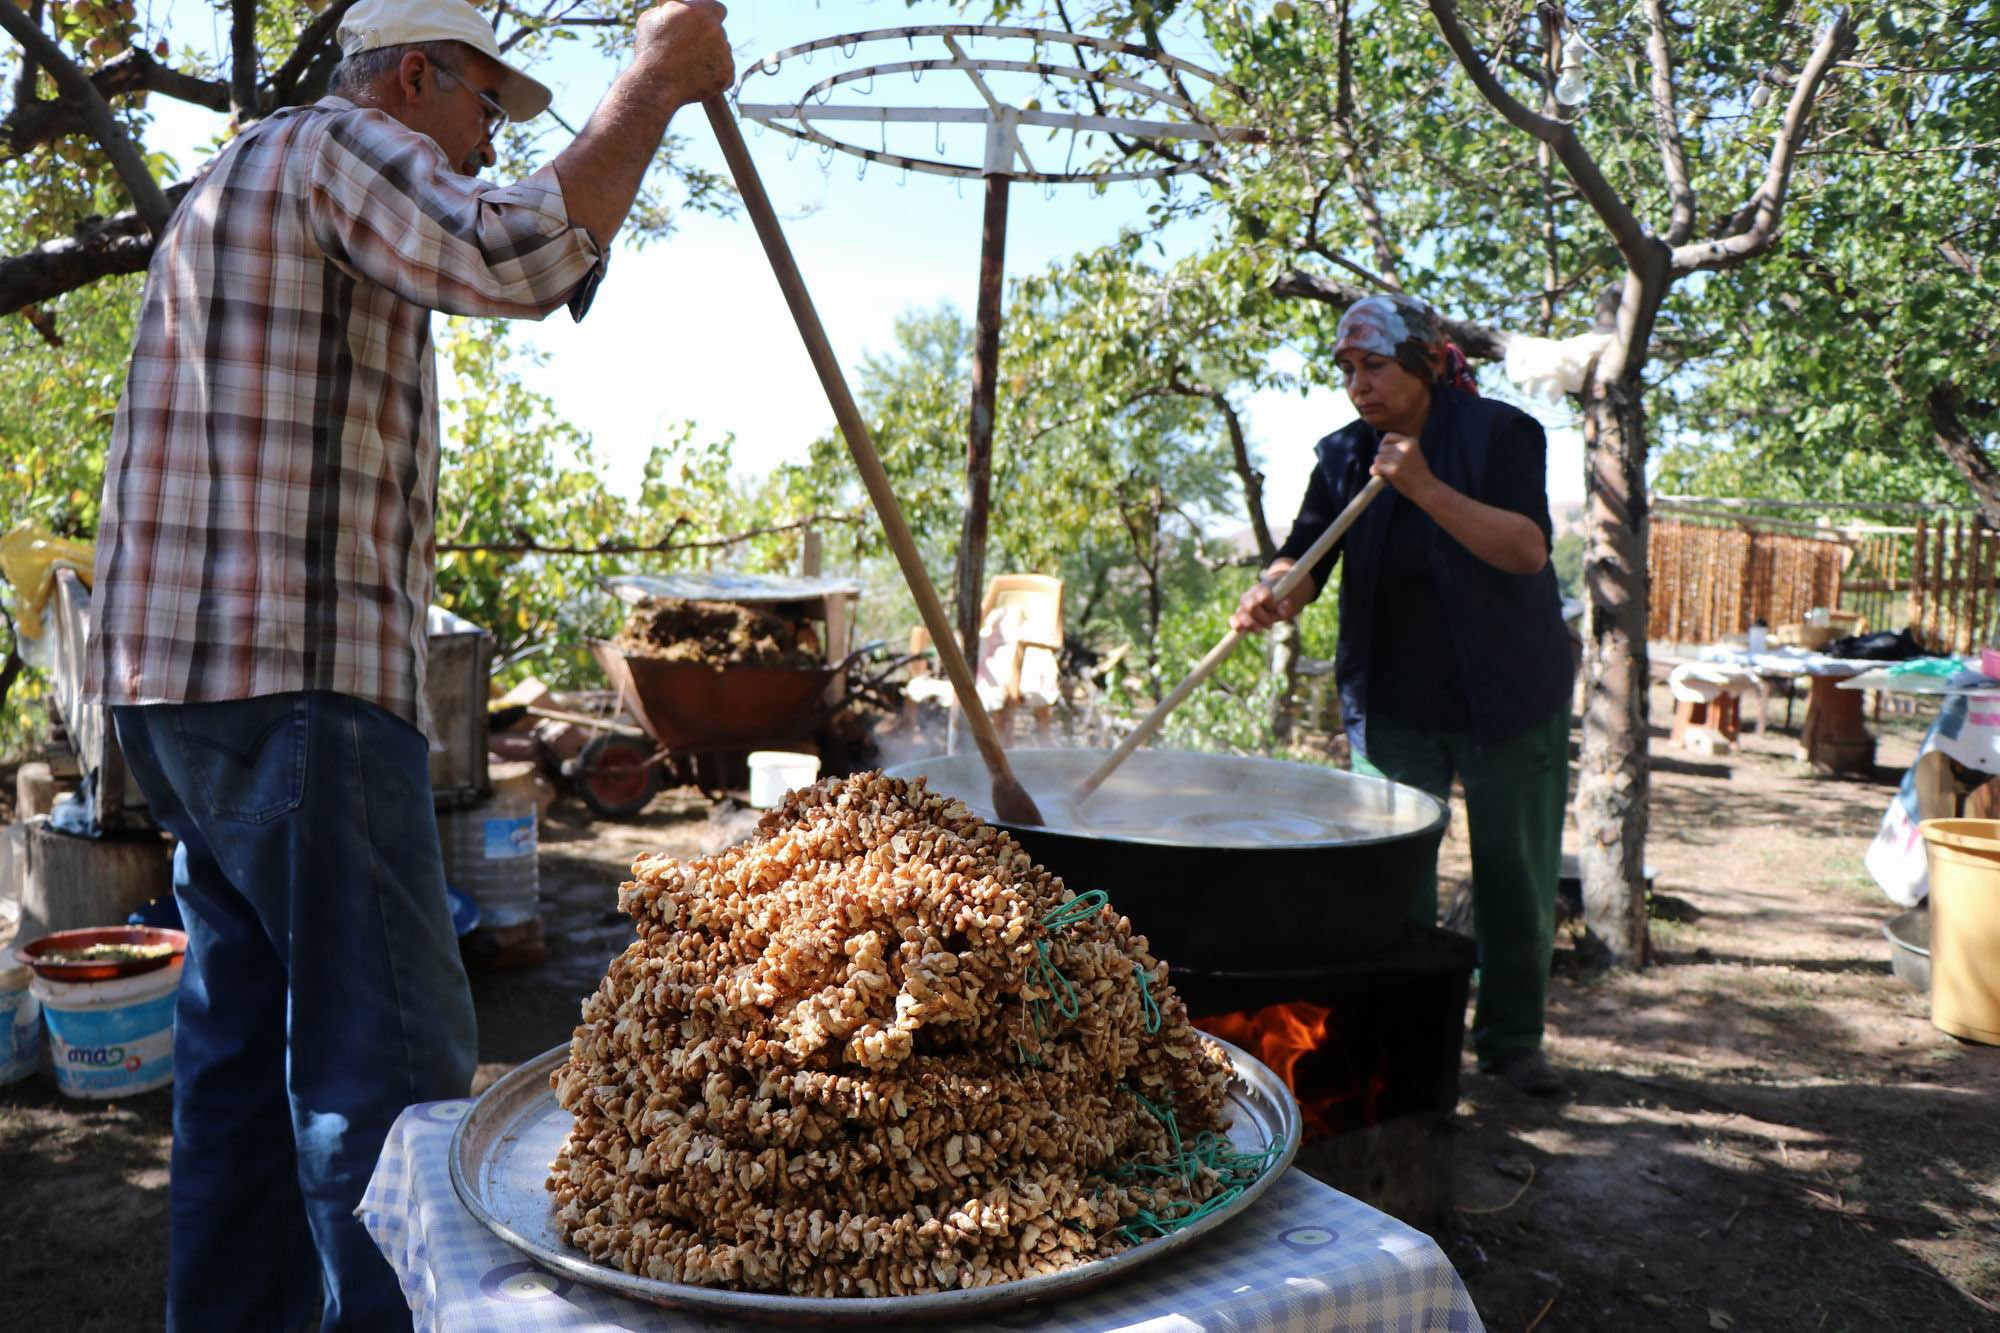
1507 629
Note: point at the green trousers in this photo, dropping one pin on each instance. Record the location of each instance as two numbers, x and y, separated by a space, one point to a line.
1516 798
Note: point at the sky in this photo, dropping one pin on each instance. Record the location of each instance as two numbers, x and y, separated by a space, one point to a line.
694 329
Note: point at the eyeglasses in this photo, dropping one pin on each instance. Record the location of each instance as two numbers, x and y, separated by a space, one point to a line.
492 114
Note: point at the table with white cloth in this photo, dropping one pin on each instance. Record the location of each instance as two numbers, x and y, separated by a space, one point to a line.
1303 1257
1835 737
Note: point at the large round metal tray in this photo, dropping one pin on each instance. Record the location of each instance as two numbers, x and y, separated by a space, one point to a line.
500 1155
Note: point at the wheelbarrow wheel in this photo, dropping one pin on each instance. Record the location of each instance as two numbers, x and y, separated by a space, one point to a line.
616 775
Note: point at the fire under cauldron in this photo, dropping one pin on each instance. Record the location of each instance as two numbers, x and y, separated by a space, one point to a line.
1226 864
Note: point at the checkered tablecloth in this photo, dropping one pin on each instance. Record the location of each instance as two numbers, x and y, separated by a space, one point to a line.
1305 1257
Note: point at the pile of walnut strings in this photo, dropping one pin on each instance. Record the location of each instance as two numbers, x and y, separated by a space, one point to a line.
877 1051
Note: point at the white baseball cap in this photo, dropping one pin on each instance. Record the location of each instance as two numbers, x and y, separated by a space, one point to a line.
374 24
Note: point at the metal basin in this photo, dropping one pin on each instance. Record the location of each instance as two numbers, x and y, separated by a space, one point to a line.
1227 864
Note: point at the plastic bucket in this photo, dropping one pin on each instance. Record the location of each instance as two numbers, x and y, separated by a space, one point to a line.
20 1024
1965 926
775 772
111 1038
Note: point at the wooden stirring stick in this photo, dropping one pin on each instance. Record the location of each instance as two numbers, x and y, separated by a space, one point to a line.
1011 801
1219 654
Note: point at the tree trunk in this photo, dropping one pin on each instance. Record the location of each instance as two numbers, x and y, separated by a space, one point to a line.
1965 452
1612 782
1285 666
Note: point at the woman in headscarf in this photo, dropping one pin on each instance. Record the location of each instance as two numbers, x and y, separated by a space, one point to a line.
1453 660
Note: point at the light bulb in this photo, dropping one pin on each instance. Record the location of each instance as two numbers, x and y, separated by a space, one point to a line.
1572 89
1761 98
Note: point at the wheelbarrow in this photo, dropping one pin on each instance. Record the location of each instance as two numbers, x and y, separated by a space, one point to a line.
689 708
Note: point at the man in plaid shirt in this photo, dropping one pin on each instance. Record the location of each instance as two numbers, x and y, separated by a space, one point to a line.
264 572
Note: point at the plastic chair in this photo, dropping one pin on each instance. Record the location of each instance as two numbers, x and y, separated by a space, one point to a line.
1020 651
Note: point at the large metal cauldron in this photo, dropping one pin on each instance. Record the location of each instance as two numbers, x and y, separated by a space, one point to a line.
1225 864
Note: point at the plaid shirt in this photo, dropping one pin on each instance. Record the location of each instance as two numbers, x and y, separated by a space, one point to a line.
268 518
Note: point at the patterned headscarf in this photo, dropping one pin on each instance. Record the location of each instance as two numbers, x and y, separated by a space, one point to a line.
1406 330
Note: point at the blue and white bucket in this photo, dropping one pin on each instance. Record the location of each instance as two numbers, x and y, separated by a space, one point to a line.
111 1038
20 1023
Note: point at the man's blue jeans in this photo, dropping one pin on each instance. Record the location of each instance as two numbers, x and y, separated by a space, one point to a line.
323 993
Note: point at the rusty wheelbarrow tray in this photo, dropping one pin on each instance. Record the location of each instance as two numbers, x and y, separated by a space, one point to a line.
691 708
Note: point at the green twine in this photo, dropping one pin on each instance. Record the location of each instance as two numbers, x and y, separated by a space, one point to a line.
1154 1018
1080 908
1167 1222
1044 973
1068 1003
1215 1152
1165 1117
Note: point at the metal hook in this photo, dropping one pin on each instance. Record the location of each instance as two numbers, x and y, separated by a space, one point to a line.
792 153
862 173
847 50
940 138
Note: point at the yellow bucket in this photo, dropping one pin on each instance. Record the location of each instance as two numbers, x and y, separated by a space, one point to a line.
1965 926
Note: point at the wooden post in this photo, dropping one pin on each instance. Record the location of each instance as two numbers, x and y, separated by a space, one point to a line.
1917 581
70 883
979 440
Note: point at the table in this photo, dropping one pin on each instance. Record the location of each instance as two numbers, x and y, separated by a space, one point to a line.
1305 1257
1835 738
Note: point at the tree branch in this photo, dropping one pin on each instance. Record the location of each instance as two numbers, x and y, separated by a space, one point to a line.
1666 120
1479 342
26 78
665 546
1631 237
75 86
1752 228
1943 404
34 122
1239 447
1349 154
38 121
98 248
243 60
285 82
1545 175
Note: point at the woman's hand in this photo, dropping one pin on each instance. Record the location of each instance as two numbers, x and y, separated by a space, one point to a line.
1400 462
1260 609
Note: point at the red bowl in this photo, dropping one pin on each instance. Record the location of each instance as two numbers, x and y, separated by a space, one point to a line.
106 969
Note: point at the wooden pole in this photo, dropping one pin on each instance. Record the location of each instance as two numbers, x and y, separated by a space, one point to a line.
1010 800
985 388
1219 654
1939 586
1917 580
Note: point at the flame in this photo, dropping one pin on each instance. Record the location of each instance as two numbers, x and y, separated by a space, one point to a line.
1283 1036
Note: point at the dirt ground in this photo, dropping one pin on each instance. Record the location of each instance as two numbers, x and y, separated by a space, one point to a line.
1765 1131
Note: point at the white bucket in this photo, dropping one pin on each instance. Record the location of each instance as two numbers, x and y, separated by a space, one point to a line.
111 1038
20 1024
775 772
